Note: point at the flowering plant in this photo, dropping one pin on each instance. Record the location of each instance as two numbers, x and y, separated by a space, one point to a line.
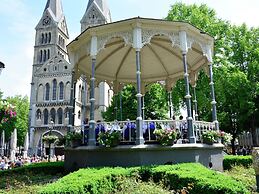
109 138
73 136
7 116
73 139
225 137
50 138
165 137
210 137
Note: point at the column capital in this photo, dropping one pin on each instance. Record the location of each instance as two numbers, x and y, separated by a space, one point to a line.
183 42
93 51
137 38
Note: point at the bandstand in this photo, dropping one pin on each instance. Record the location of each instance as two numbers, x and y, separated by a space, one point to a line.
141 51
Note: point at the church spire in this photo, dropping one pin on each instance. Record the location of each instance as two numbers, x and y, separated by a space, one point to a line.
97 13
55 9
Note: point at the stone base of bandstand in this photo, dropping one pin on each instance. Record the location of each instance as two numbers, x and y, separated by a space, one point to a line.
142 155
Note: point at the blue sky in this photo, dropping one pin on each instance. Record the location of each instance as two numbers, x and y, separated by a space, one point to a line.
18 19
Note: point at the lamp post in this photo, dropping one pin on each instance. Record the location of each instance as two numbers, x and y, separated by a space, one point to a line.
2 66
50 132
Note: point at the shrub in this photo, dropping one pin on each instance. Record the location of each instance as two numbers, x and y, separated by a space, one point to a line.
202 180
50 168
210 137
93 181
195 177
231 160
50 138
165 137
109 138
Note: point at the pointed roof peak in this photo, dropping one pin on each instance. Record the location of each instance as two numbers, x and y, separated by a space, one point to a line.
55 6
102 5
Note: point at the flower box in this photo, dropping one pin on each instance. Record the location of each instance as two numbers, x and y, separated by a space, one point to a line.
109 138
165 137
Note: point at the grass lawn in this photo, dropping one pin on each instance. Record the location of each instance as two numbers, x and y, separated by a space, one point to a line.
25 183
244 175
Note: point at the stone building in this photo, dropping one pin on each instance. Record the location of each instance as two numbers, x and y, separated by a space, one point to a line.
51 88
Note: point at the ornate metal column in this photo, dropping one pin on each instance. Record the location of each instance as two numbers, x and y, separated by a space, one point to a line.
137 41
195 104
170 104
91 140
143 107
71 107
116 107
120 106
213 100
183 41
84 101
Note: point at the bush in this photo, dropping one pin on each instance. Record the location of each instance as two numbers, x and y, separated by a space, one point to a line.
231 160
93 181
109 138
49 168
195 177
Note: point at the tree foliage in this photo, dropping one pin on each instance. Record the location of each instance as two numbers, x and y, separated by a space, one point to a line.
236 69
22 109
8 118
155 104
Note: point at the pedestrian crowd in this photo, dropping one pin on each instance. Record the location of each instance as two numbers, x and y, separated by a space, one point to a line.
6 163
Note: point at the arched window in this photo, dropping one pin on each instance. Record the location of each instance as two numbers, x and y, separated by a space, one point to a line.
38 114
53 115
47 88
82 94
46 37
49 37
63 42
45 56
46 116
42 38
67 90
41 55
79 114
66 113
40 94
54 90
61 91
60 116
48 53
79 92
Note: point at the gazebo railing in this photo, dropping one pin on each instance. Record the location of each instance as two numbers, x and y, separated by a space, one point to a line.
128 128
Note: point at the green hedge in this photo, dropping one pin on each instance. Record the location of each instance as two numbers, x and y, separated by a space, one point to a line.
230 160
94 181
97 181
50 168
202 179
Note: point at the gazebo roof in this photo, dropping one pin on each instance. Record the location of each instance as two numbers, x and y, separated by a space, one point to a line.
161 55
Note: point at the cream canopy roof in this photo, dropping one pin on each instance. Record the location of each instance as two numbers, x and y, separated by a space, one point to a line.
161 54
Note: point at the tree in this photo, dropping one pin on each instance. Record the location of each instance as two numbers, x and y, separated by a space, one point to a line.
8 118
235 105
204 18
22 109
235 47
155 104
129 105
245 57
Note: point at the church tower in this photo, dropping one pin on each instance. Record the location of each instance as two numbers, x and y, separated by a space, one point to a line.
51 78
97 13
